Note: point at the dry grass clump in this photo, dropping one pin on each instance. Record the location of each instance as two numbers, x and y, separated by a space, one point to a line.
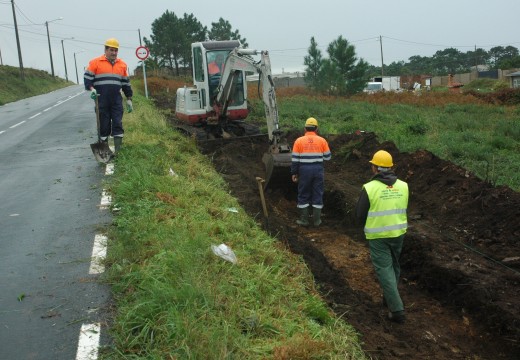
159 85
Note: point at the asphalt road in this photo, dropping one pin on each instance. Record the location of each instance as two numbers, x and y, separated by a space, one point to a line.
50 192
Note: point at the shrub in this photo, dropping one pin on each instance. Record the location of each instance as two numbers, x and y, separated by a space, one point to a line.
500 85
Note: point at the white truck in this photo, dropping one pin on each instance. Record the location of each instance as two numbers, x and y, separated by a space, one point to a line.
386 83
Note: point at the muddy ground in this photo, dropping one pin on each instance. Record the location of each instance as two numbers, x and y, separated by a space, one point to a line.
460 261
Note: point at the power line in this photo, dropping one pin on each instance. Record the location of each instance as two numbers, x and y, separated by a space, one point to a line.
447 46
96 29
64 36
21 12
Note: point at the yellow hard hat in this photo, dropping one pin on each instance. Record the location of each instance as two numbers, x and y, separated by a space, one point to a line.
382 158
112 42
311 122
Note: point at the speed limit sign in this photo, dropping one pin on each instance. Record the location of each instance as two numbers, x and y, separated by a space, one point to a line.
142 52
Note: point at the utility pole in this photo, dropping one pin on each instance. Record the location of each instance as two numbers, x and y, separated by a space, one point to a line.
144 67
22 74
65 61
476 59
49 41
50 49
382 63
76 65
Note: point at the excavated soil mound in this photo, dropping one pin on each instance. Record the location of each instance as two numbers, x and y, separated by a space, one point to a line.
460 262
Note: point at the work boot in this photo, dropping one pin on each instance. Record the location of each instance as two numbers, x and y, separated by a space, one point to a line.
118 141
397 316
304 217
316 215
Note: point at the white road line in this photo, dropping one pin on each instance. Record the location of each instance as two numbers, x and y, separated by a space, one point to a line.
106 200
88 344
15 125
109 170
99 252
35 115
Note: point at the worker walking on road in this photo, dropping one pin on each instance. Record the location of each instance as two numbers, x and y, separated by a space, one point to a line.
382 207
308 153
105 77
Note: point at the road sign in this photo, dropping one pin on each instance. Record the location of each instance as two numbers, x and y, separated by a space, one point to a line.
142 52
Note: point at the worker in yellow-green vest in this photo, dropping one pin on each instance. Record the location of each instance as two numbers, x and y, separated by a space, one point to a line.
382 207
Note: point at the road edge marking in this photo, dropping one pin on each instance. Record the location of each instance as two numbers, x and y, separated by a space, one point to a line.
88 344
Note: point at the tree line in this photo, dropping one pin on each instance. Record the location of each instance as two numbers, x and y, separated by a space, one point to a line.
171 38
453 61
340 73
170 47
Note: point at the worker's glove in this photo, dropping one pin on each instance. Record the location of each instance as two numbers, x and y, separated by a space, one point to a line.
93 94
129 106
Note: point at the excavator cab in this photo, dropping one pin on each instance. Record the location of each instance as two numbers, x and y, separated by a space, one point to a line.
196 105
215 62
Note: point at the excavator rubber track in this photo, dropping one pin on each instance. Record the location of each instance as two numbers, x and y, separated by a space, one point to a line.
234 130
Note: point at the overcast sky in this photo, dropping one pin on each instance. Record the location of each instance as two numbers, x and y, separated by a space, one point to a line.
407 27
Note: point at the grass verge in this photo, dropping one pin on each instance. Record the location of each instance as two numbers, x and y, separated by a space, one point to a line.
482 138
37 82
174 298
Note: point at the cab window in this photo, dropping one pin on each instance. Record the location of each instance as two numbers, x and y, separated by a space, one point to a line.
198 66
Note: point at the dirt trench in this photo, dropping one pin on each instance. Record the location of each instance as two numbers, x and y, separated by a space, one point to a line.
460 262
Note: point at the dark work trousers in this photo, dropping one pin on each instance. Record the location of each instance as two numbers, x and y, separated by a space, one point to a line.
111 115
385 255
310 185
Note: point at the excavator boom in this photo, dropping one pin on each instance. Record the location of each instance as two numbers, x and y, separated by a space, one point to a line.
277 159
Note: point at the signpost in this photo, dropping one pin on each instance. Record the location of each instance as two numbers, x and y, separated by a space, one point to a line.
142 54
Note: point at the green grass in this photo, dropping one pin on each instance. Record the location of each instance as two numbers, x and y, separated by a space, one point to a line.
13 88
484 139
174 298
485 85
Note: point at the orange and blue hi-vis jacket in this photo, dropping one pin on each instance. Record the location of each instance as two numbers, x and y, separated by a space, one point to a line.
108 79
309 150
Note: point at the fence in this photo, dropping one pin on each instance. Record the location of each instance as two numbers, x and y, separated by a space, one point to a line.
468 77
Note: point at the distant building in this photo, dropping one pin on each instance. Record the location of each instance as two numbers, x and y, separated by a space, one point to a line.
479 68
515 80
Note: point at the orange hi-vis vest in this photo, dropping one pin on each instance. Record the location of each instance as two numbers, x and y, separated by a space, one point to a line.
310 149
108 79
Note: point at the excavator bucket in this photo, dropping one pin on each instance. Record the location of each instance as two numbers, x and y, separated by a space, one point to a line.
278 170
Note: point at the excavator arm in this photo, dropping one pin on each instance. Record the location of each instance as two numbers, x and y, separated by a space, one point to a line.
278 158
240 60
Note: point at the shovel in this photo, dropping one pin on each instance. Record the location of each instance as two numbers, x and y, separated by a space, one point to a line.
101 149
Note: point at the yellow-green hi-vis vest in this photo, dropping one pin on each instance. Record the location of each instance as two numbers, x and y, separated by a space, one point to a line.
387 214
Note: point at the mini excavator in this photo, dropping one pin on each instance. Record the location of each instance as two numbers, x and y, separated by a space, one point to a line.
216 106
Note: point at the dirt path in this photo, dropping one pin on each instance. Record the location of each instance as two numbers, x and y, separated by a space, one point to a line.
460 262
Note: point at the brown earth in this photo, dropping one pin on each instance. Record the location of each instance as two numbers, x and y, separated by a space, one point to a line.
460 261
